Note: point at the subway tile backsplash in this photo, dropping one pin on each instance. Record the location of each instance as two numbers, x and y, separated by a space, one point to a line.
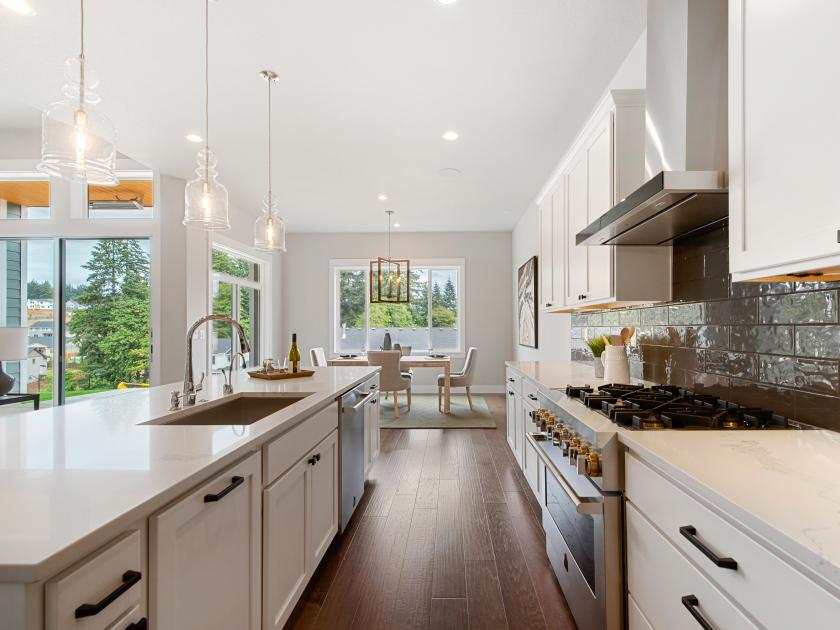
773 345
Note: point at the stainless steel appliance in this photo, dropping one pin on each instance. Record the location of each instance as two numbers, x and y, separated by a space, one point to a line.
351 437
582 518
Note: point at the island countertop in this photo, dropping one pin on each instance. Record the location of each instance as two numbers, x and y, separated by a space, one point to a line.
782 485
71 476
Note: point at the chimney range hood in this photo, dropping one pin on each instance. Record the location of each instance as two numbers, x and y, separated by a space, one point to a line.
686 135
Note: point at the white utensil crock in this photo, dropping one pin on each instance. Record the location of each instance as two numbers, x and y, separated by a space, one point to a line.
616 364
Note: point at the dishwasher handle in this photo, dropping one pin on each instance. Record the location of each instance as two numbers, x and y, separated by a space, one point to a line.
359 404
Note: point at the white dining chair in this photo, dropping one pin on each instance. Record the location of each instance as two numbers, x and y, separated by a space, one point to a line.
390 377
464 378
318 357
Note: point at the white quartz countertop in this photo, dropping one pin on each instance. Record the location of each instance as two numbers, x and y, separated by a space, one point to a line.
782 485
72 476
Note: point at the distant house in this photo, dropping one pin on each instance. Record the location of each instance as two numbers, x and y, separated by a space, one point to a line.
42 330
39 304
38 361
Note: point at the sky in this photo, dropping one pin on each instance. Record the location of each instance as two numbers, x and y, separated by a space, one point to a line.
41 265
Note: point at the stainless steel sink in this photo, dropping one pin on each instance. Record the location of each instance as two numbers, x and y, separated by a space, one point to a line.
240 410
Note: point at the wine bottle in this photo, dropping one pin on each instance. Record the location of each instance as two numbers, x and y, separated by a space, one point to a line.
294 355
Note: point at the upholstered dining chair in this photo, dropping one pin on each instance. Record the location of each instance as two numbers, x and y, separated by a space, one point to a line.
390 377
464 378
318 357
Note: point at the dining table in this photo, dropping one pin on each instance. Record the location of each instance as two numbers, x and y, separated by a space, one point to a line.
406 363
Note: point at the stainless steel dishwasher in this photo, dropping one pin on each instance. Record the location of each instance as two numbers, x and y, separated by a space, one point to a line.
351 429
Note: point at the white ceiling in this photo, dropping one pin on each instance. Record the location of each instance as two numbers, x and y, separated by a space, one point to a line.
366 89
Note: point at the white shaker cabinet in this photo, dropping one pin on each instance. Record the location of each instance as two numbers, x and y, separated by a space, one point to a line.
300 520
604 164
783 130
204 555
371 448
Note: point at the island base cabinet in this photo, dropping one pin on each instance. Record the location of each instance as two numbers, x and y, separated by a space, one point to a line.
205 555
300 520
371 447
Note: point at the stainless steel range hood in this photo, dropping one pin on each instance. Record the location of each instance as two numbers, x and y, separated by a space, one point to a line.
670 205
686 134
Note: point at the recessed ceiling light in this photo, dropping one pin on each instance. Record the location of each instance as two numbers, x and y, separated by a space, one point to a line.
450 135
449 172
446 1
192 137
18 6
383 197
396 225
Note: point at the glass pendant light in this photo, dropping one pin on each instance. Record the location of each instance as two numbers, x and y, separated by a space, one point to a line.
389 278
77 141
269 228
205 199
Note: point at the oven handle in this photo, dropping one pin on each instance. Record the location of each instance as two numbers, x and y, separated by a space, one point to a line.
582 506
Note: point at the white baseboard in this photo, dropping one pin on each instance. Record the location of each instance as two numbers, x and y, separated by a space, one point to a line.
476 389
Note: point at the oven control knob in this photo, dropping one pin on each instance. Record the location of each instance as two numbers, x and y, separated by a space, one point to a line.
580 458
566 445
592 465
574 447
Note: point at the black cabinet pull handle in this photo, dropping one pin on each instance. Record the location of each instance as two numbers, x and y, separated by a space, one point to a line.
548 304
317 457
234 483
511 394
690 533
532 397
512 380
311 461
129 579
691 603
138 625
373 402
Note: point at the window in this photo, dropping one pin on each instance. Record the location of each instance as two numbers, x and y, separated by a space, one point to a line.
237 291
132 198
431 321
25 198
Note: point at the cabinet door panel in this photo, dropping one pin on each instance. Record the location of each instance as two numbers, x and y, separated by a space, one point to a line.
558 225
205 556
510 420
546 259
323 504
783 156
285 545
600 189
578 218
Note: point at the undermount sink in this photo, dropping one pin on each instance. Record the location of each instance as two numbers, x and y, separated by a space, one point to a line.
241 410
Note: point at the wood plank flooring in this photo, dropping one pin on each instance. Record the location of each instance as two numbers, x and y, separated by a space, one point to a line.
448 535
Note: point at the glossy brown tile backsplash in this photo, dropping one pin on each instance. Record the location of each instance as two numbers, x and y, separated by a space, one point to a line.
773 345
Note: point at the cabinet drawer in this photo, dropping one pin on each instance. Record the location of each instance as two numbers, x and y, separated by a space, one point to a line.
531 467
659 578
772 591
282 453
514 380
529 391
102 589
636 620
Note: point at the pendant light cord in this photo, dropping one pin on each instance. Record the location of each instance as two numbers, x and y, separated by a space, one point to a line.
82 57
206 90
269 146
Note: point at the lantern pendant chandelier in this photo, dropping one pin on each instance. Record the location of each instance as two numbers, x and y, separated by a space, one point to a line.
205 198
270 229
389 278
77 141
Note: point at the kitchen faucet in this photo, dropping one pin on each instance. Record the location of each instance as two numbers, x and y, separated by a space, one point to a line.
190 388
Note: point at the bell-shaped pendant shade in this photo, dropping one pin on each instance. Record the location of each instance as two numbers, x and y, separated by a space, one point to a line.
269 228
77 140
205 199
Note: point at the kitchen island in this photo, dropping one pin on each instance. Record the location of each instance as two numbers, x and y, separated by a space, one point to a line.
770 500
100 486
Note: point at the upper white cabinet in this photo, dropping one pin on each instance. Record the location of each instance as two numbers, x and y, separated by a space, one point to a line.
783 130
604 164
204 554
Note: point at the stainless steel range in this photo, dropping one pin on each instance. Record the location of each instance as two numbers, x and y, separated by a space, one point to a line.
583 487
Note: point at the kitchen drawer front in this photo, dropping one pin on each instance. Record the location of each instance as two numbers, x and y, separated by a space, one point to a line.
513 380
529 391
531 467
636 619
105 588
286 450
773 592
659 578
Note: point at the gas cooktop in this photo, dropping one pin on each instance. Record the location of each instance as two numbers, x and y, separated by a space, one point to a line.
669 407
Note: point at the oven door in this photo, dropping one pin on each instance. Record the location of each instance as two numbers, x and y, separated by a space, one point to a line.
575 545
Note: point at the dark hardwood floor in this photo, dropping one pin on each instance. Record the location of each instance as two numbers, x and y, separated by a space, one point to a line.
447 536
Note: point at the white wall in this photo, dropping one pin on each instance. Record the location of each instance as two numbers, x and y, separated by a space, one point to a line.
554 329
487 309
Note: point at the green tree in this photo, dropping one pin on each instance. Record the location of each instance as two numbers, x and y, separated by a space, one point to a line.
442 317
111 326
352 289
437 296
450 300
419 298
39 290
390 316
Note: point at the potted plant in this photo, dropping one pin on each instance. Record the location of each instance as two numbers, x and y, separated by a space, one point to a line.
597 346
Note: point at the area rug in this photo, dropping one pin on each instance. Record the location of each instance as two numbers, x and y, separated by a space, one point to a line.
424 413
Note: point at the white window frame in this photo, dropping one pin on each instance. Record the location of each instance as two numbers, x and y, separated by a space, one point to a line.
363 264
263 285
